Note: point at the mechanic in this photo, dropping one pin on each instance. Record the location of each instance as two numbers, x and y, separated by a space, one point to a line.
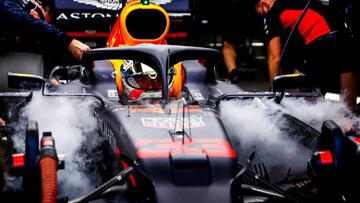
232 36
25 19
324 44
16 21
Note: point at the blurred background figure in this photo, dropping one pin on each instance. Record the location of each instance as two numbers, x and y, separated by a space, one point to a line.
232 27
234 31
321 44
237 32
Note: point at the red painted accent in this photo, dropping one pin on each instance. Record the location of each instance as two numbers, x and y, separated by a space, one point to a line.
47 141
18 160
118 151
85 34
312 26
177 35
131 177
357 140
161 148
115 38
326 157
135 94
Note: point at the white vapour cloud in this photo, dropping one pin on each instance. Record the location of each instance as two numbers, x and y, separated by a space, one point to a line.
261 128
314 113
70 120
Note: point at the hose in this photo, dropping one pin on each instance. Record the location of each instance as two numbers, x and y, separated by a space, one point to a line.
48 169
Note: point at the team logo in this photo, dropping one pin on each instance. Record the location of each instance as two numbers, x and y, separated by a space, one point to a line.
114 4
104 4
170 122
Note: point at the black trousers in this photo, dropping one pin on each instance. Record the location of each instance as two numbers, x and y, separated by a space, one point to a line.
327 57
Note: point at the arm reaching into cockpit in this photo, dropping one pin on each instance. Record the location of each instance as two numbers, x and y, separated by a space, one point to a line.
16 21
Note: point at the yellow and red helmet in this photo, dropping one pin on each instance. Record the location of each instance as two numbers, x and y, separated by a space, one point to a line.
141 23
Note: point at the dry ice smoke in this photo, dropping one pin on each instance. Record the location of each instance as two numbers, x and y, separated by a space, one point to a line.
72 123
314 113
255 125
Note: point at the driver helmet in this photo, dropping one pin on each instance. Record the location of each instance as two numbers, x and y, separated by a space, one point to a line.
140 24
141 81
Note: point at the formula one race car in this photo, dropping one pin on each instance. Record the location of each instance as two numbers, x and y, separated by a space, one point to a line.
162 119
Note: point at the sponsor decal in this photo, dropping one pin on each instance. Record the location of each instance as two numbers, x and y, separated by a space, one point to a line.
196 94
104 4
113 4
85 15
106 9
170 122
150 95
158 109
161 148
14 94
112 94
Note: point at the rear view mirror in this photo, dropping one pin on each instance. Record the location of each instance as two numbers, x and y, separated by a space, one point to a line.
290 81
25 81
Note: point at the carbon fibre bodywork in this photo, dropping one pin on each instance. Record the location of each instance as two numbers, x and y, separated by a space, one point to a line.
180 150
176 147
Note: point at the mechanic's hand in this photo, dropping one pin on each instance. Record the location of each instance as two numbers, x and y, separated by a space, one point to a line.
78 48
2 122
